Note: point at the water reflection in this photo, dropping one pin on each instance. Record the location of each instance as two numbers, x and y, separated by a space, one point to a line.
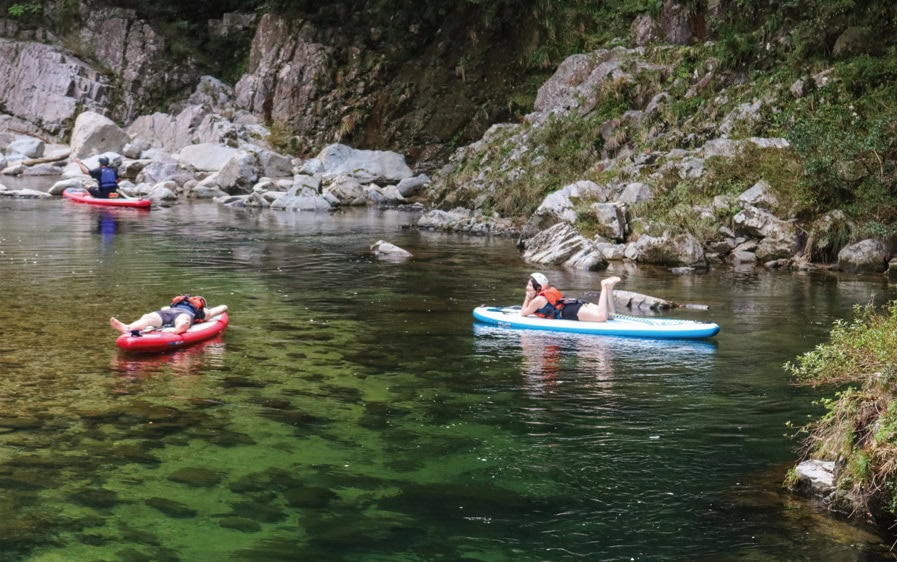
190 361
548 356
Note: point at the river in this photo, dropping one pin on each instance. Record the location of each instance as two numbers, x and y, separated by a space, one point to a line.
354 411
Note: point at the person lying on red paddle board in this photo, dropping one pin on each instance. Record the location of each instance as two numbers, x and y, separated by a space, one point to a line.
184 311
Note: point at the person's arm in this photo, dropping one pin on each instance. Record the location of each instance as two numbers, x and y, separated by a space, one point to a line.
215 311
84 168
532 302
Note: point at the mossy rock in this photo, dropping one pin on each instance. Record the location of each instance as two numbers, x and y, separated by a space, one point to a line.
854 41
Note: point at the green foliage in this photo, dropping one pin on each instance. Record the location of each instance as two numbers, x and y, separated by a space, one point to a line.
850 156
24 10
862 350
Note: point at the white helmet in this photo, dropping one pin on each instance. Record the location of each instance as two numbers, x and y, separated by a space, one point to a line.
540 279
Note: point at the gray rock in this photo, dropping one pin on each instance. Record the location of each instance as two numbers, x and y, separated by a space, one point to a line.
167 132
239 173
346 189
611 220
42 170
290 77
817 475
409 186
301 199
206 156
61 186
679 250
41 85
675 22
28 147
760 195
866 256
95 134
158 170
644 29
636 193
380 166
757 223
386 250
562 245
560 206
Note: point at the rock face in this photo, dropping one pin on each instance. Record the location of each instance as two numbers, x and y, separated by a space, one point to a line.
45 88
133 50
289 74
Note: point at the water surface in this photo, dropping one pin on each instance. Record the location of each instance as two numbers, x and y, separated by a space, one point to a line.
354 411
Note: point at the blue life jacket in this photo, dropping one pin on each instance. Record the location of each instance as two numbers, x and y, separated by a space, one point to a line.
108 179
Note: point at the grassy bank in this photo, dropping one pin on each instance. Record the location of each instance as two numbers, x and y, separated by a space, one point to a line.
859 428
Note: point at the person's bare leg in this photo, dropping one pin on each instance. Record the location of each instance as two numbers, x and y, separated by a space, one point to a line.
611 303
182 323
146 321
605 308
607 296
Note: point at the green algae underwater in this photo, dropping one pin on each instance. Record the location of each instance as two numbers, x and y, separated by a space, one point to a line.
353 410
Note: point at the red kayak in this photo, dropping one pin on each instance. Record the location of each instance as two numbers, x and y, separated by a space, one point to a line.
81 196
165 339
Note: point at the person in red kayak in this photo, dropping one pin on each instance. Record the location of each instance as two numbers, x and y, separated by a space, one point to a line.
544 300
106 176
184 311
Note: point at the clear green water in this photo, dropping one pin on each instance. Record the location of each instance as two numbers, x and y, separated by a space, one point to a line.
353 411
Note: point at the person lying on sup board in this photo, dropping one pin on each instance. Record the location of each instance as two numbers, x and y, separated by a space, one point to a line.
184 311
544 300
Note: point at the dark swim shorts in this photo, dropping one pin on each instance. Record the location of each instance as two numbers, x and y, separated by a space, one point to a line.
169 314
571 311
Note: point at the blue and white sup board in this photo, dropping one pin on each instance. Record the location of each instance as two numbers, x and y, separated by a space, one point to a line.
627 326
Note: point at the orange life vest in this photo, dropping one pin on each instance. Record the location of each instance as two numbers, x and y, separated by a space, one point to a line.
198 304
553 308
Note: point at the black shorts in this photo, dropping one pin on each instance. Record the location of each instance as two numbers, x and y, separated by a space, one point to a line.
169 315
99 193
571 311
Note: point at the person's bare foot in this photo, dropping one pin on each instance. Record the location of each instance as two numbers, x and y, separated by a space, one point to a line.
610 282
118 325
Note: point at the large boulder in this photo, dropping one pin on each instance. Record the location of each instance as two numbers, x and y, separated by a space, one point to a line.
760 195
866 256
562 245
757 223
206 157
681 250
560 206
168 132
576 84
94 134
301 199
239 173
347 190
28 147
380 166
